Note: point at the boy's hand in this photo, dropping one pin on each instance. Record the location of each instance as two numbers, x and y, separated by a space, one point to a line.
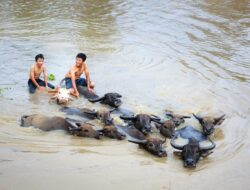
40 88
91 90
76 94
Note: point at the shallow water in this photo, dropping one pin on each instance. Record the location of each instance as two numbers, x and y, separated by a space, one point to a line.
187 56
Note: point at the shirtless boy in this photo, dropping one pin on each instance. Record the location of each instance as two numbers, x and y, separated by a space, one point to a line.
73 77
35 71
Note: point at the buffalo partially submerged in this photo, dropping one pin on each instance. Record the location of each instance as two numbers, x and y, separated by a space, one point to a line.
208 123
111 99
83 129
176 118
103 115
54 123
61 95
44 123
110 129
142 121
167 128
112 132
193 150
82 90
152 145
87 94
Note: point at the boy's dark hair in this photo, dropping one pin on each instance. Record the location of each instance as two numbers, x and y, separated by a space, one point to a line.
39 56
82 56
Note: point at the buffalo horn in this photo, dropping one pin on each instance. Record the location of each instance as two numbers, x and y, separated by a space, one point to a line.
212 146
96 99
142 142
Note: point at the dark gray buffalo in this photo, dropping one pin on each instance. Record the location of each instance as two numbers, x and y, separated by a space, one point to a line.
54 123
208 123
193 150
142 121
111 99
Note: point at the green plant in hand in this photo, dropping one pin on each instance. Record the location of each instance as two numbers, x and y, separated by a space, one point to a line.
51 77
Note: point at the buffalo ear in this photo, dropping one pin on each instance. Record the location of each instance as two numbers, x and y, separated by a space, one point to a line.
155 118
158 126
219 120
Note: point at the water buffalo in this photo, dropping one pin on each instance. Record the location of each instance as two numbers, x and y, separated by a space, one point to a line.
54 123
152 145
177 119
208 123
131 132
82 90
83 129
142 121
87 94
193 150
103 115
62 96
111 99
112 131
167 128
109 130
43 122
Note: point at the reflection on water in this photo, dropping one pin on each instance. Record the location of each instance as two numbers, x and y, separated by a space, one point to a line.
186 56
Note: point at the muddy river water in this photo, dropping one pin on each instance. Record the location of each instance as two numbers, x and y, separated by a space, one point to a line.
187 56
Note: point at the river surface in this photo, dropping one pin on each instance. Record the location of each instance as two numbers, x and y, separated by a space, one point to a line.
188 56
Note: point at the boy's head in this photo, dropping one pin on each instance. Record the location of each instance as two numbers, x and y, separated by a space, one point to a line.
80 58
39 59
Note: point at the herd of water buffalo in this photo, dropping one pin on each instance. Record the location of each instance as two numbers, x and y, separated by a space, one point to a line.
137 128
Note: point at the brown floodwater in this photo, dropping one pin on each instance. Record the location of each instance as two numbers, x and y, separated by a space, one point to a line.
187 56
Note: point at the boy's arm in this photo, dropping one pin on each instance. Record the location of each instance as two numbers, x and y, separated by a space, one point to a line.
87 78
73 80
45 77
32 77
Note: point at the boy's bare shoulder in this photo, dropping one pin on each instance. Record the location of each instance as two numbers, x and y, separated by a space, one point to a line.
32 67
43 67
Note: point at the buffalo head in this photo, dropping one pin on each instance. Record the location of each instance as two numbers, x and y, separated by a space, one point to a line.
152 145
167 128
192 151
142 121
83 129
111 99
103 115
177 119
112 132
208 123
61 95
